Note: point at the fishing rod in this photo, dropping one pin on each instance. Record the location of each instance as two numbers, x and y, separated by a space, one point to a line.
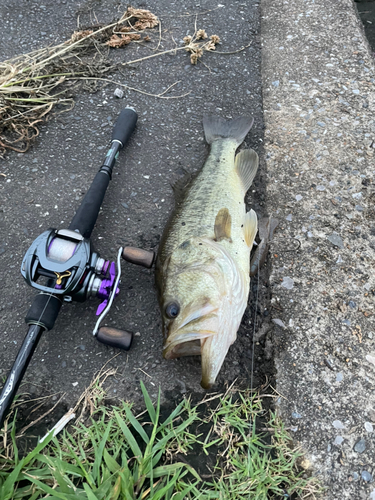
63 266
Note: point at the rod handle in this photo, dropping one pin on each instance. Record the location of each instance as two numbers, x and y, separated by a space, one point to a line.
124 126
121 339
138 256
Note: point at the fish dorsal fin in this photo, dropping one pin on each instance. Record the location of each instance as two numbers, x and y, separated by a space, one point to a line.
223 225
180 185
250 227
246 165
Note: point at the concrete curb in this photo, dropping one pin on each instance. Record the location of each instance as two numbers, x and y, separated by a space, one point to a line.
318 88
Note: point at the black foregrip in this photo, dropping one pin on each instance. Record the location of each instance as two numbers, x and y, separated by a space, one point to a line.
124 126
86 215
44 311
18 370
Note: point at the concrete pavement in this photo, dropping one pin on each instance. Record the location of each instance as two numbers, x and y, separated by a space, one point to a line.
318 98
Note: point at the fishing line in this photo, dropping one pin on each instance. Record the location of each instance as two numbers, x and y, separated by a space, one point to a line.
50 295
252 354
254 330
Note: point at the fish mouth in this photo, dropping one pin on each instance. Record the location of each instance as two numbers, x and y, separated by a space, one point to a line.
207 382
185 336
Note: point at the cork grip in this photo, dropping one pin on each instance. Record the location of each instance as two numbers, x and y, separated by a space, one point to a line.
115 337
137 256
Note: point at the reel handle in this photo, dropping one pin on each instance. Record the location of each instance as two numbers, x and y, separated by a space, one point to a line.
114 337
138 256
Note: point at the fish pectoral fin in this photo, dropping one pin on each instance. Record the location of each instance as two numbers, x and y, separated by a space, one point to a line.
223 225
266 233
250 227
264 227
273 225
246 165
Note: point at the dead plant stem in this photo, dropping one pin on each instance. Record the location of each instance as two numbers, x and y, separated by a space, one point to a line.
70 46
155 55
40 418
161 95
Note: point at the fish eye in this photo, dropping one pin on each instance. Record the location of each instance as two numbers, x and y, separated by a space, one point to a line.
172 309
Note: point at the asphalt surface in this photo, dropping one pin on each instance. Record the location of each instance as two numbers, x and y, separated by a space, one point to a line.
366 11
43 187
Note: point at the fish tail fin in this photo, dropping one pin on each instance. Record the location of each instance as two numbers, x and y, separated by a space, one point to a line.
218 128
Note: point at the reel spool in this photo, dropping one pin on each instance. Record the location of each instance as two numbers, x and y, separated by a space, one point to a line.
61 250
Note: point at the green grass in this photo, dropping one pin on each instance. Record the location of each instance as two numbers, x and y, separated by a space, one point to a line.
117 456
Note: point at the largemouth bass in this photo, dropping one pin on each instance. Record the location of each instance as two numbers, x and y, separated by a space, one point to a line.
203 263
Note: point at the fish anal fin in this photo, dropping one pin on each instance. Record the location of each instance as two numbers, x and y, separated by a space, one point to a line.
246 165
250 227
223 225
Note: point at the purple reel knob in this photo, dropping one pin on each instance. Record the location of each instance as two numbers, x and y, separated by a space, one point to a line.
106 288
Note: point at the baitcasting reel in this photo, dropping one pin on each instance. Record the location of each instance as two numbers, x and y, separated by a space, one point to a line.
64 264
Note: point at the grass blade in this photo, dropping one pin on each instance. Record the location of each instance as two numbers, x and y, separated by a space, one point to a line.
165 470
89 492
111 463
7 489
137 426
129 437
99 455
148 402
47 489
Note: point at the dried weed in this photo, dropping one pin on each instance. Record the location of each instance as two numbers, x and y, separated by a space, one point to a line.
33 84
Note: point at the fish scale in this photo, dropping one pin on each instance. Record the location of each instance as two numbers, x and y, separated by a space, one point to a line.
206 195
